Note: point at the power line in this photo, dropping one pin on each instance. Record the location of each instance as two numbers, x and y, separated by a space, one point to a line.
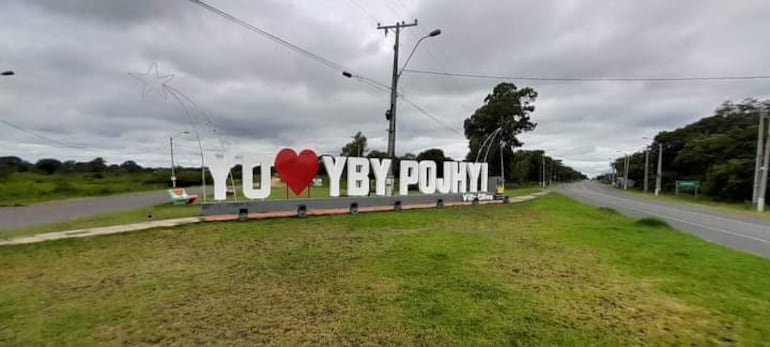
594 79
270 36
431 116
371 82
307 53
30 132
403 5
363 10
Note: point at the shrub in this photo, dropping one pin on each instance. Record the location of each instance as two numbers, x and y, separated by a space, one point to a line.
652 222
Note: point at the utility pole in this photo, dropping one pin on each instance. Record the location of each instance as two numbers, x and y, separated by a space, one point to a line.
658 177
646 167
173 170
625 174
625 170
390 115
758 162
542 175
763 178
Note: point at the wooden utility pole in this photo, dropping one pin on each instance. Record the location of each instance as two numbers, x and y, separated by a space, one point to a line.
390 115
758 160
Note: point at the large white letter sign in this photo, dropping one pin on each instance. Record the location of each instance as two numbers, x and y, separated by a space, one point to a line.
444 184
409 176
358 176
474 170
459 176
265 163
219 165
334 169
484 177
427 183
380 170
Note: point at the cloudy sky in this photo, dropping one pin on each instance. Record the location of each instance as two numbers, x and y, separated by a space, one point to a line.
73 96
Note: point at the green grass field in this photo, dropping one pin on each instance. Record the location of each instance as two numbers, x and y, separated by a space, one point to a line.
28 187
547 272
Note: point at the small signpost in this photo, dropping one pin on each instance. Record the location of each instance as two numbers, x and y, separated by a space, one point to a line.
690 185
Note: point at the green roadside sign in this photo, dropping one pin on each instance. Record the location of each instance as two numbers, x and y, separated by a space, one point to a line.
689 185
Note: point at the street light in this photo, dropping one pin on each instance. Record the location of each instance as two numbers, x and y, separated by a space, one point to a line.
7 73
171 143
433 33
390 114
625 170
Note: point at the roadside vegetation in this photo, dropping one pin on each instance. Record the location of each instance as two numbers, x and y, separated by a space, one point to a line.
23 183
548 272
718 150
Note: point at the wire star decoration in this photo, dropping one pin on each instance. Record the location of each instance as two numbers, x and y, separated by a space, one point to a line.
153 81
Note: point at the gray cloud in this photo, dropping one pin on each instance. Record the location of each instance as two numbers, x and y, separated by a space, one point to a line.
72 60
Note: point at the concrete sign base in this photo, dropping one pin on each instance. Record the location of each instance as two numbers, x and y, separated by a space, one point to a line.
304 207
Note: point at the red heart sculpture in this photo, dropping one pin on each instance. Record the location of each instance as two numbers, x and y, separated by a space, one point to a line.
296 170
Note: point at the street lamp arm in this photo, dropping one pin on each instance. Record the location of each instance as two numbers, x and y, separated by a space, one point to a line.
432 34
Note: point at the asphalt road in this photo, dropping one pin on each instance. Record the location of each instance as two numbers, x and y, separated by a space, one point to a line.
735 230
57 211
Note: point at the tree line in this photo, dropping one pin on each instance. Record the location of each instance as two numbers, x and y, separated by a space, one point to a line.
718 150
97 169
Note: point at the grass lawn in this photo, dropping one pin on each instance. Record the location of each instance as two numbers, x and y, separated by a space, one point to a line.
547 272
23 188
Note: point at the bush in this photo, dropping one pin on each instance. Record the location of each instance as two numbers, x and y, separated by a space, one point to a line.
608 210
652 222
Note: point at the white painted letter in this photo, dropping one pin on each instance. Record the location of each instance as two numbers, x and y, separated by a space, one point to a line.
334 170
444 184
427 181
474 170
380 170
219 164
358 176
265 163
459 176
408 176
484 177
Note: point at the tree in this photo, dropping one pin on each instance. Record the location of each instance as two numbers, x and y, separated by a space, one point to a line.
130 166
97 165
355 148
377 154
47 166
717 150
507 108
436 155
14 164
